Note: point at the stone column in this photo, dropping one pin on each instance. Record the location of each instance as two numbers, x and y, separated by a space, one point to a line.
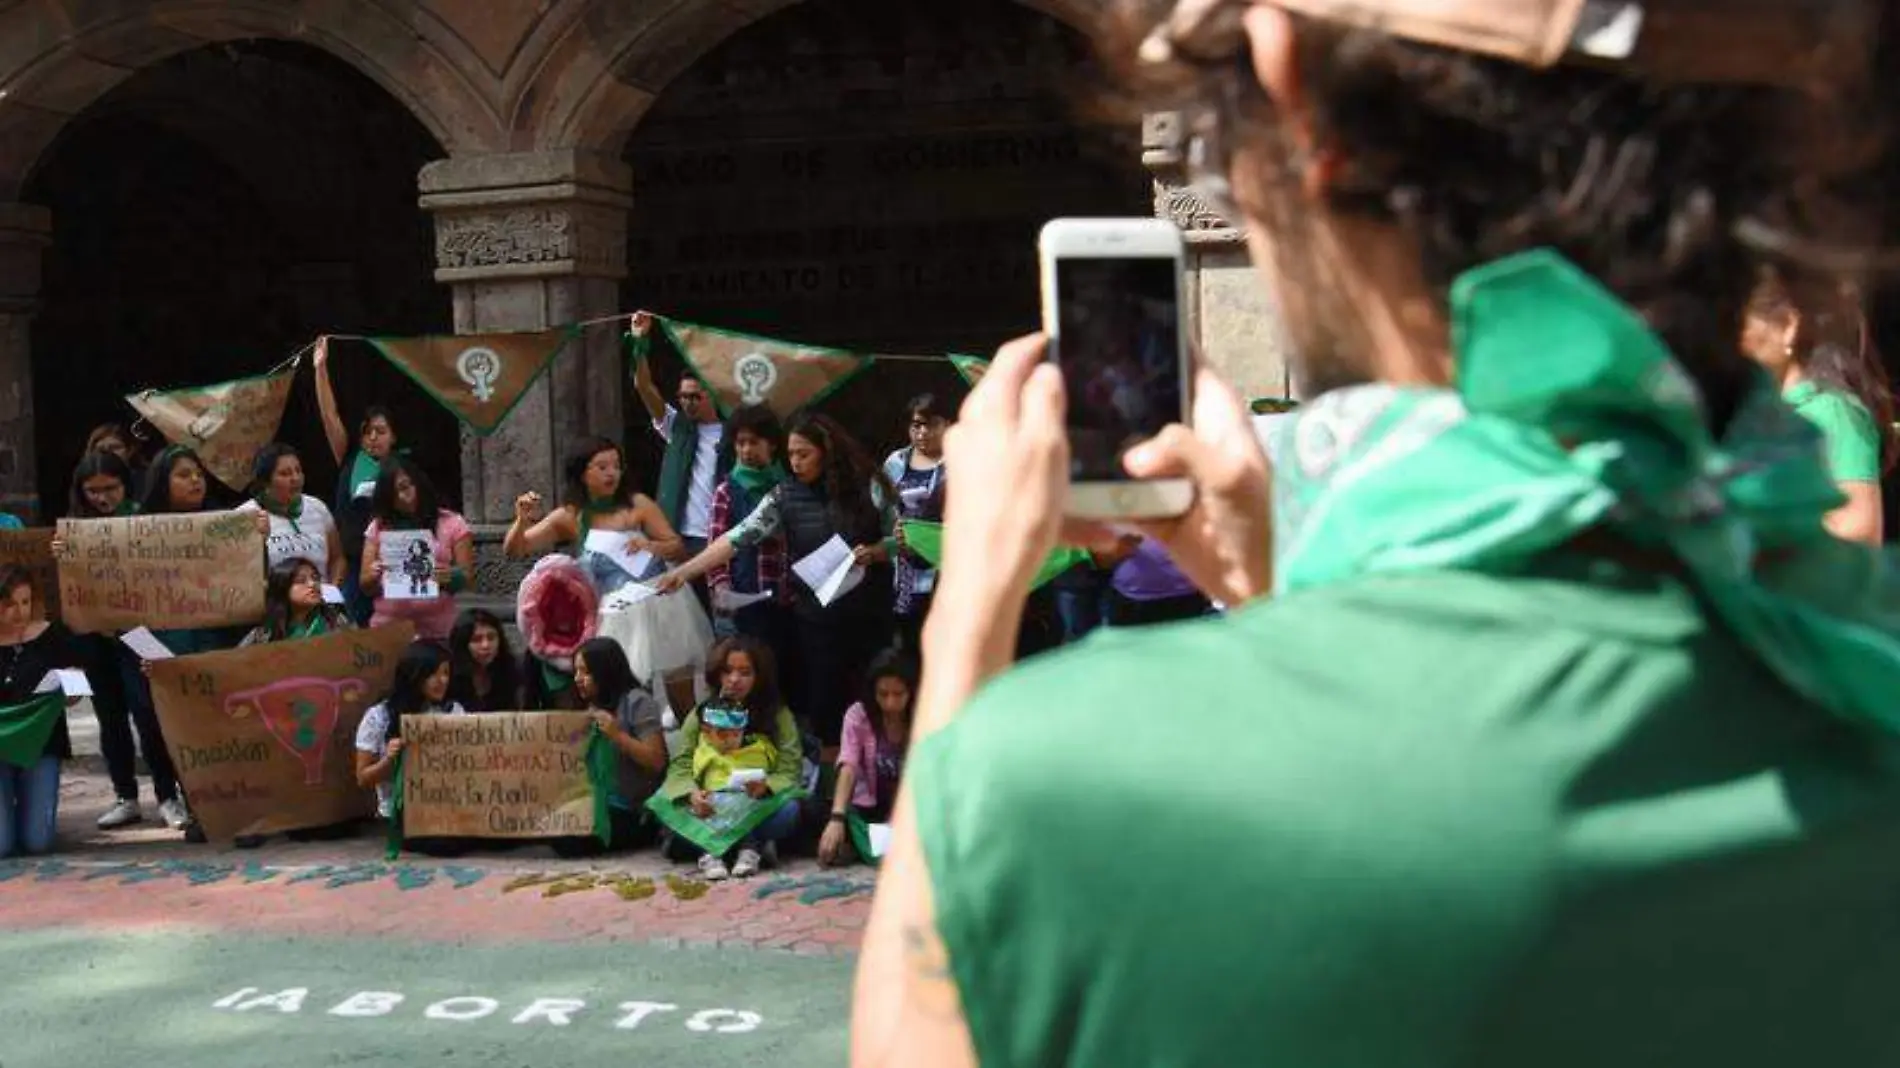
530 241
25 230
1234 325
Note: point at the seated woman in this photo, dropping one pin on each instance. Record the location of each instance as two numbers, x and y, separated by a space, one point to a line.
293 606
630 718
871 761
484 674
421 687
405 501
710 824
29 648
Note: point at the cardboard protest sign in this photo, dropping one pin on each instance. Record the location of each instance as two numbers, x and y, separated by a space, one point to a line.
264 737
33 550
504 775
224 423
197 569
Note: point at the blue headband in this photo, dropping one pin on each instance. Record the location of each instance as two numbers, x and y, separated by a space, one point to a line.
721 717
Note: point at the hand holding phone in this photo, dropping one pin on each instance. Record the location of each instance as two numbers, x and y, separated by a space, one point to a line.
1112 307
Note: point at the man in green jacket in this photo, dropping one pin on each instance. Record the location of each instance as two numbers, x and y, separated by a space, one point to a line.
1567 734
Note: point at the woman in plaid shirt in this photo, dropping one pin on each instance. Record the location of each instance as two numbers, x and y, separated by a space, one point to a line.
756 438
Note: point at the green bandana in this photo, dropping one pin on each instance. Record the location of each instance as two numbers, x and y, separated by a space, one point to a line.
596 506
310 628
926 540
1570 416
25 729
293 512
758 481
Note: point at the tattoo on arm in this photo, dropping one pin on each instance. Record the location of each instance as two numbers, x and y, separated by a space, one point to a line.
931 986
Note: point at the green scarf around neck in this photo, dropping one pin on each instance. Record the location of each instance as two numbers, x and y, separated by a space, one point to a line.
292 512
1569 417
596 506
758 481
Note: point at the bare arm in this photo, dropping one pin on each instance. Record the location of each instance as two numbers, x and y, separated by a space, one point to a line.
333 429
525 538
339 566
1860 519
370 771
714 555
662 540
370 575
462 558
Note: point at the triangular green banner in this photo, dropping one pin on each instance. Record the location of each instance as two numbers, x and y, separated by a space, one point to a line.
478 377
740 369
971 368
926 540
224 423
25 728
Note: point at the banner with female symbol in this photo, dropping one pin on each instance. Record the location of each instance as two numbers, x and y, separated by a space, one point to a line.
264 737
478 377
741 369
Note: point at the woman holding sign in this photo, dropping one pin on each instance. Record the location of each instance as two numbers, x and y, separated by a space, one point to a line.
617 533
408 511
301 526
840 509
630 718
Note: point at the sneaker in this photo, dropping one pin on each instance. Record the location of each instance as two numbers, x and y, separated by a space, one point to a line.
747 865
122 813
713 869
175 813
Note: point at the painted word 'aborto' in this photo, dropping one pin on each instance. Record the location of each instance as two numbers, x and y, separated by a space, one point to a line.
557 1012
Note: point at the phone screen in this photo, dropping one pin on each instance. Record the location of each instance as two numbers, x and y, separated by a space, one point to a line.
1119 346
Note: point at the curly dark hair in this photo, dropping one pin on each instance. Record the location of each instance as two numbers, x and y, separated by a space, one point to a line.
1652 189
759 421
574 473
848 476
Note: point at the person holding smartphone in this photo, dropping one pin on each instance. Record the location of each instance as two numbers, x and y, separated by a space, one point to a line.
1566 737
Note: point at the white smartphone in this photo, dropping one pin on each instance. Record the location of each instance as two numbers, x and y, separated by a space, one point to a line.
1112 307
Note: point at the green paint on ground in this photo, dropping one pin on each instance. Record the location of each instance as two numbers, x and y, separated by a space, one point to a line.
153 998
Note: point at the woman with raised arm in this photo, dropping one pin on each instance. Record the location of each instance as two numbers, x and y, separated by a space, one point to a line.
598 500
358 465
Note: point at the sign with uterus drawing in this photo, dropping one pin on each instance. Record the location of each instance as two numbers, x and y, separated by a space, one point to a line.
264 736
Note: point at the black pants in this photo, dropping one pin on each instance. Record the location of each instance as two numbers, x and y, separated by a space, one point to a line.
629 830
831 653
1126 612
910 626
132 710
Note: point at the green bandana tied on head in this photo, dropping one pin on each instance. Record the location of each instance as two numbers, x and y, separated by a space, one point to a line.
1571 416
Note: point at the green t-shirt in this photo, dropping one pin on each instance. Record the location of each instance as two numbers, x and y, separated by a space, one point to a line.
1847 428
1426 820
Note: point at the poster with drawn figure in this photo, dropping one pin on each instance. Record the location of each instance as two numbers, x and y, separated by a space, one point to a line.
408 565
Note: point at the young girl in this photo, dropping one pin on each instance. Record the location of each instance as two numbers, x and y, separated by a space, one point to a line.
29 648
405 499
742 674
871 761
484 675
630 718
294 608
421 687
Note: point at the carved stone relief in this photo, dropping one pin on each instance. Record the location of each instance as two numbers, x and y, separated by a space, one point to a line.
537 235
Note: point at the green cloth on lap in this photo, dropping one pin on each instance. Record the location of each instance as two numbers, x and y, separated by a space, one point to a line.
25 728
735 815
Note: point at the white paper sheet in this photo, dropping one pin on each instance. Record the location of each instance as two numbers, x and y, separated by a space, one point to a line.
737 783
146 644
880 836
612 544
332 594
408 565
728 602
830 570
364 489
70 681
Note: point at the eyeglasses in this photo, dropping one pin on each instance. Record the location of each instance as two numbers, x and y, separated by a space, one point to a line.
692 398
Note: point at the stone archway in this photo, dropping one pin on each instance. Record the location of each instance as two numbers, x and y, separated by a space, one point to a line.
212 212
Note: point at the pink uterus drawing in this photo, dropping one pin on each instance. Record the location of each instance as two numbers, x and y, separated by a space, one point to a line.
301 713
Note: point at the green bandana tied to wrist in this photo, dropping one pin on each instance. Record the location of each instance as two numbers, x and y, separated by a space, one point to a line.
1571 416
